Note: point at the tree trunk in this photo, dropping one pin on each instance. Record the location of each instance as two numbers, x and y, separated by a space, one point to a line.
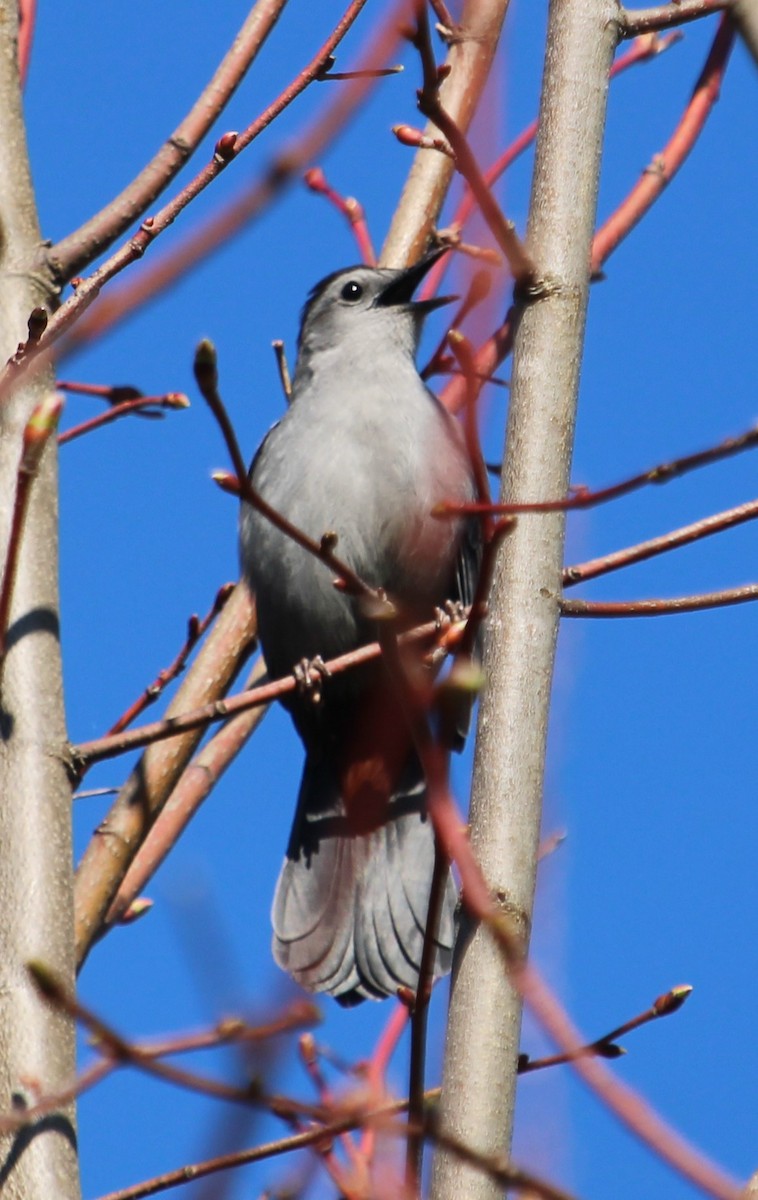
485 1012
36 1044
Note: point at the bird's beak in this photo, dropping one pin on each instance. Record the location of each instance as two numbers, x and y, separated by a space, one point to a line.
400 290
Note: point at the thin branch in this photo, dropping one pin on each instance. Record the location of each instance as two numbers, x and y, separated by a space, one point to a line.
660 608
27 16
206 374
729 519
665 165
76 251
607 1045
39 428
86 753
198 779
122 1052
195 630
349 208
636 21
520 262
283 369
581 497
172 400
228 147
204 238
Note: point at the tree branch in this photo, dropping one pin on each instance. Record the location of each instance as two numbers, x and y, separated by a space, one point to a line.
485 1013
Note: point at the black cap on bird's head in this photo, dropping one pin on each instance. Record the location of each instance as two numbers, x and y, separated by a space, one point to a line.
360 301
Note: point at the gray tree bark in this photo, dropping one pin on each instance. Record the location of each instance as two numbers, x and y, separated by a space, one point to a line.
36 1044
479 1080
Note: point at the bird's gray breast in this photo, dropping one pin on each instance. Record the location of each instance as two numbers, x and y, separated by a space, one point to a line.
370 470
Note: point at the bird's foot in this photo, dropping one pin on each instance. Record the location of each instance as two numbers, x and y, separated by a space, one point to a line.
309 675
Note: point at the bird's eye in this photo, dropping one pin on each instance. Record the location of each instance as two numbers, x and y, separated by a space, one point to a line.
352 291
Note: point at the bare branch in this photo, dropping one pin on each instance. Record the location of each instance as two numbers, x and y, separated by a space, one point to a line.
76 251
660 608
635 21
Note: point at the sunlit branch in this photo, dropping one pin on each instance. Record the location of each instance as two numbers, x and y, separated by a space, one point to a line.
143 404
349 208
729 519
195 630
39 428
228 147
197 781
207 236
607 1045
659 608
635 21
76 251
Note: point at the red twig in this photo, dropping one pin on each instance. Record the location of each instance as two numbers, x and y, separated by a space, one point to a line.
643 49
582 497
121 1052
665 165
238 484
207 236
27 15
350 209
74 252
663 16
607 1045
228 147
660 608
195 630
376 1068
521 265
728 519
87 753
144 404
40 426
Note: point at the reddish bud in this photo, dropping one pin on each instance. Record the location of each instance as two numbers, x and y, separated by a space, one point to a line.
670 1001
225 147
315 179
37 324
41 424
138 908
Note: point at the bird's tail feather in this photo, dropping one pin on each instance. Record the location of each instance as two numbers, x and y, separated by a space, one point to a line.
350 906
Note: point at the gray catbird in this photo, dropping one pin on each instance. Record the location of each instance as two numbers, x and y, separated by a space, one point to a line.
365 451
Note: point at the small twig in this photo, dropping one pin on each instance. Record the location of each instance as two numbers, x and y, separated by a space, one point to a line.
376 1068
521 265
27 15
329 76
172 400
665 165
228 147
39 428
414 1146
349 208
197 781
634 22
283 368
729 519
582 497
206 374
607 1045
478 290
86 753
659 608
195 630
122 1052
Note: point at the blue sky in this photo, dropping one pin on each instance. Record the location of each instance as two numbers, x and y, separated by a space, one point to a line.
651 764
